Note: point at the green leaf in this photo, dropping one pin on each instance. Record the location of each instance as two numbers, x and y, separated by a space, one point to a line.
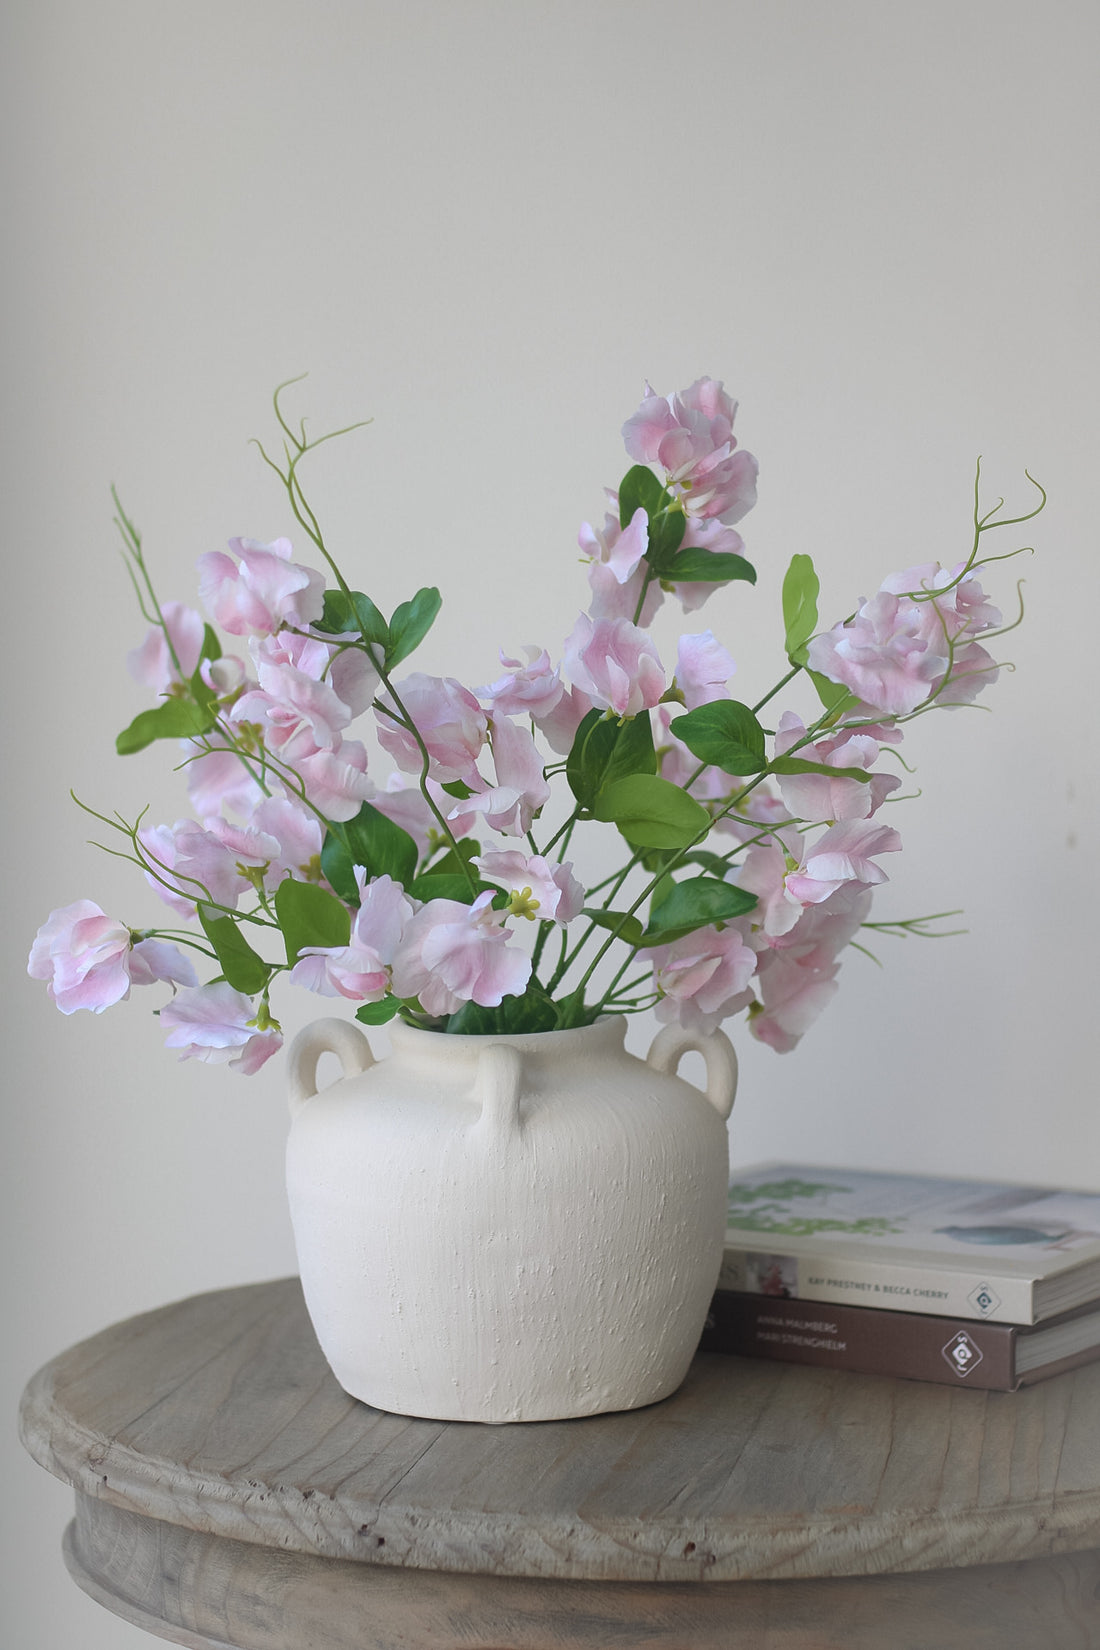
211 644
533 1011
346 614
457 788
337 614
204 697
369 621
655 859
171 719
708 567
575 1012
801 587
605 750
798 764
309 915
724 733
243 968
666 534
448 885
631 930
376 1014
652 812
710 862
370 840
411 623
695 903
834 696
451 863
641 490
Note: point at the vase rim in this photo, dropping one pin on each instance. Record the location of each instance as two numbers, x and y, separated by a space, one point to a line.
609 1028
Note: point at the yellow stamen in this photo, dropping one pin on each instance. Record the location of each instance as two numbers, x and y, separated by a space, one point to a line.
521 903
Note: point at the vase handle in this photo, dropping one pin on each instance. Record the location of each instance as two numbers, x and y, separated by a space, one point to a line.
498 1086
329 1036
673 1042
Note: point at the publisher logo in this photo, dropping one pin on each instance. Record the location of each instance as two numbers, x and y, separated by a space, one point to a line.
962 1353
984 1301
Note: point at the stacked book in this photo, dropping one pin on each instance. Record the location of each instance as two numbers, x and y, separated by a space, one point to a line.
963 1282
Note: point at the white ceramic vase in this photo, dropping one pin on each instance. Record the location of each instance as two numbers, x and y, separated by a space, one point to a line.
508 1228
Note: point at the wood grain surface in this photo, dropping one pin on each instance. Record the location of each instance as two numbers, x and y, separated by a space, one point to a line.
218 1416
213 1594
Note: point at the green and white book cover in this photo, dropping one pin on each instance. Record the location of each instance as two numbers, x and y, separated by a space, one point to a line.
956 1248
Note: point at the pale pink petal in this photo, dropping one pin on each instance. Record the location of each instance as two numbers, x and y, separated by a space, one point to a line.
152 662
213 1023
703 668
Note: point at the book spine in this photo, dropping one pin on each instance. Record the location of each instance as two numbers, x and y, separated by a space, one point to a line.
953 1351
975 1296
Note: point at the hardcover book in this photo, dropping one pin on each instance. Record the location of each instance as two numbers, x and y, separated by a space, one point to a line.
997 1357
962 1249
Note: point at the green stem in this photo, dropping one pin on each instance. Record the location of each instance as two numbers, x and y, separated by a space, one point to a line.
778 688
131 538
405 720
649 578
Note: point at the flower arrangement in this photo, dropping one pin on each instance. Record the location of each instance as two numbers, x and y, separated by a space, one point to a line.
751 852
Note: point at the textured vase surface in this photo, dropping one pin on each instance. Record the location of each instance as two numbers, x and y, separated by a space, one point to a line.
508 1228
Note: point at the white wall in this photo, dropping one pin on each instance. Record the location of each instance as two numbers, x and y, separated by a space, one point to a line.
484 224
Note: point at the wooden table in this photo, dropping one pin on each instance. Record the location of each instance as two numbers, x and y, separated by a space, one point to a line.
228 1493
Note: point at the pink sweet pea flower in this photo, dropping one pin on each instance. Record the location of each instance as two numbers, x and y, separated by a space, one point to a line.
764 873
615 664
295 708
335 782
216 1024
842 855
797 974
282 838
89 960
791 872
703 978
347 671
521 790
263 592
532 690
449 720
703 667
83 954
972 669
224 676
896 652
452 954
404 803
360 970
152 663
612 600
190 864
559 726
219 779
882 656
792 999
538 887
813 796
153 960
615 547
690 436
954 606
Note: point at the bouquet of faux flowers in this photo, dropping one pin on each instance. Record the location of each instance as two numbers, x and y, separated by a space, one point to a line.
751 852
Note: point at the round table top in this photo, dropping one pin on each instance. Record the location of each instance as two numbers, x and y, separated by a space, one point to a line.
219 1414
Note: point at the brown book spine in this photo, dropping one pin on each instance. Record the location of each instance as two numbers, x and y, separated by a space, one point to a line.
954 1351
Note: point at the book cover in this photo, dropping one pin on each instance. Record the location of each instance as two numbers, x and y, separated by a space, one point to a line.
952 1351
951 1248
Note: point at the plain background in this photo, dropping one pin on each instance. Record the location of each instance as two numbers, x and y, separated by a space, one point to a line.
484 225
